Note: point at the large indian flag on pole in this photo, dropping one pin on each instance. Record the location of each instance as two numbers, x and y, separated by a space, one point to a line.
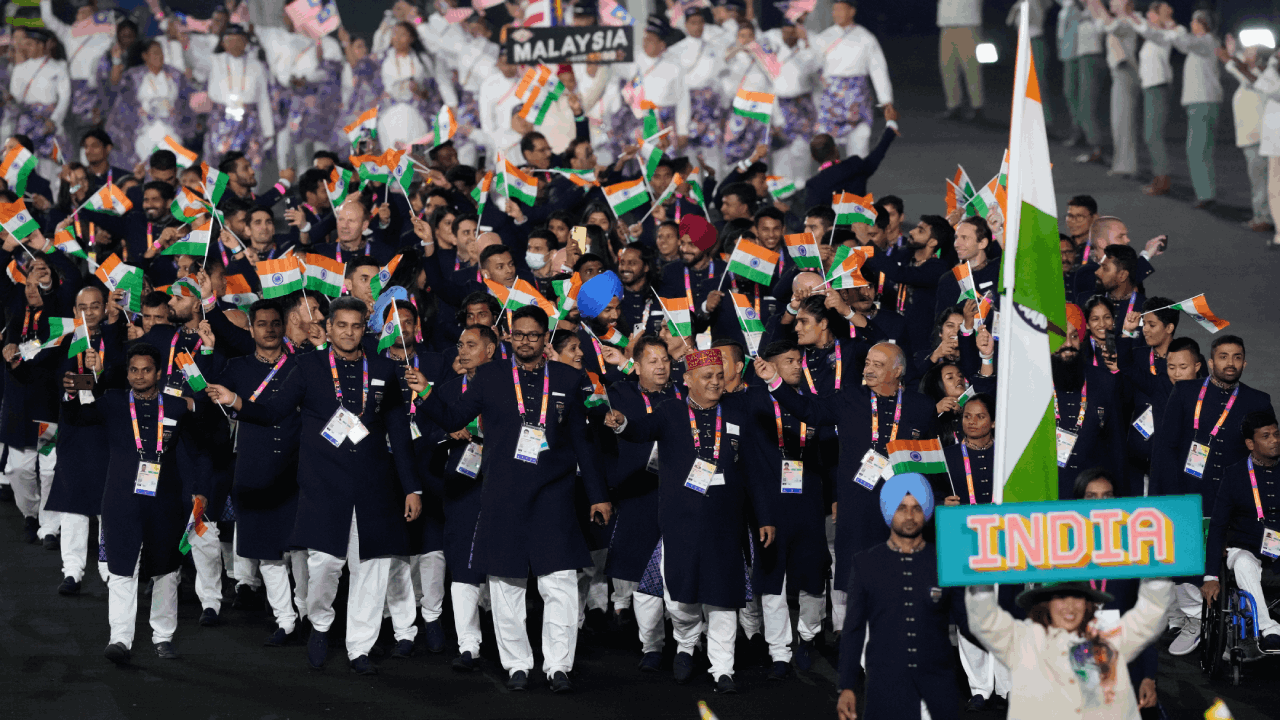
1034 317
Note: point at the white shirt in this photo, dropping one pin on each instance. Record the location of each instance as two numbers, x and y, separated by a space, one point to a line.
241 81
1154 67
158 94
291 55
1121 41
200 56
663 82
399 70
746 74
1247 107
447 40
800 66
959 13
42 81
1201 73
174 55
853 52
496 101
701 59
1268 85
475 62
83 53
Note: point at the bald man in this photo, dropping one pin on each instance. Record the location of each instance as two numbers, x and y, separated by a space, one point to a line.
355 237
1109 230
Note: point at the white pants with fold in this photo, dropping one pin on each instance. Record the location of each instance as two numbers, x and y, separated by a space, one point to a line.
838 596
777 621
559 591
465 599
622 592
857 142
428 583
986 674
649 611
122 606
287 603
688 624
75 547
1248 570
31 475
366 593
206 554
245 571
400 605
1187 598
593 586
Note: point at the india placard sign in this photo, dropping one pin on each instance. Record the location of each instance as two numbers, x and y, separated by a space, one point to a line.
1070 540
567 44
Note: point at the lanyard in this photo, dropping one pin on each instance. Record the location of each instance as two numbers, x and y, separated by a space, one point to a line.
1222 418
875 418
1094 584
777 416
31 320
546 391
173 348
137 435
288 344
697 445
244 79
804 363
595 343
1132 299
1084 403
337 253
968 472
274 370
224 263
364 386
1152 361
1253 480
102 356
648 407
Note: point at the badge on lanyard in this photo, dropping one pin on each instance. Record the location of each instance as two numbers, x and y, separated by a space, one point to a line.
1066 444
147 479
342 426
1108 620
86 397
469 463
1197 458
652 466
1270 543
792 476
533 440
29 349
414 432
873 466
701 476
1145 424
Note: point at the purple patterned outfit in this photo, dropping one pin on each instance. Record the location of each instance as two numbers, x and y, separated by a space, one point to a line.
624 126
706 117
148 107
799 116
845 102
307 116
366 88
741 136
241 118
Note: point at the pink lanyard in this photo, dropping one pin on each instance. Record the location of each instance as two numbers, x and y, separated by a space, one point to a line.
137 434
875 418
1084 403
364 382
968 472
274 370
777 416
1253 480
1222 418
546 392
697 444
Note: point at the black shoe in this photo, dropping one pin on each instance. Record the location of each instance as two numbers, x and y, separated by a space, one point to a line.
165 651
69 586
977 703
6 493
1269 643
433 636
50 542
682 668
560 683
317 649
247 598
596 622
651 662
624 621
466 663
279 638
362 666
518 682
779 671
403 649
804 655
118 653
998 702
209 618
758 650
30 531
726 686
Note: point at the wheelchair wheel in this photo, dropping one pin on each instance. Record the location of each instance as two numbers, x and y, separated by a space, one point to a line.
1213 639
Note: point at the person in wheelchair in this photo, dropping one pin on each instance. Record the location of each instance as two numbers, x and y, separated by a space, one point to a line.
1246 521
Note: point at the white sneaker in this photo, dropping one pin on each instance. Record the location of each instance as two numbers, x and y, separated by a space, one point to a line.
1188 639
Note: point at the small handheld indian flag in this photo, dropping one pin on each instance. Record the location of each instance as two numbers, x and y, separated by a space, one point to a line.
380 282
367 122
964 186
519 295
59 327
390 328
16 167
581 178
79 338
187 206
195 243
1198 308
650 156
694 178
116 275
750 322
1003 177
402 174
539 102
518 184
614 337
852 208
14 271
679 315
984 310
17 220
626 196
753 105
47 440
480 193
963 274
753 262
598 396
109 200
279 277
916 456
66 241
966 396
184 287
991 195
337 186
195 526
567 294
446 126
195 378
324 274
215 183
846 267
186 158
376 168
780 187
58 158
803 250
239 292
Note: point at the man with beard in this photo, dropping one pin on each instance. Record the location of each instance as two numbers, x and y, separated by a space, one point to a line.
704 489
1118 280
1197 440
638 303
536 443
698 277
915 273
894 597
146 230
600 308
975 245
1087 408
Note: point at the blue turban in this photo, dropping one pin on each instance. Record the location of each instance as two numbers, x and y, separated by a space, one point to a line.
898 487
379 314
596 294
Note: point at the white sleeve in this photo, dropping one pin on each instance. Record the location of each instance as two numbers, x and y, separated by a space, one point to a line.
348 84
684 107
265 118
51 21
991 624
598 85
878 69
63 80
444 82
173 56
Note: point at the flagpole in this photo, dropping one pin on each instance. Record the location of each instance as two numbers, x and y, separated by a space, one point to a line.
587 327
86 333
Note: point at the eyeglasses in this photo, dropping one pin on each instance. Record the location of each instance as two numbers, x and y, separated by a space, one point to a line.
528 337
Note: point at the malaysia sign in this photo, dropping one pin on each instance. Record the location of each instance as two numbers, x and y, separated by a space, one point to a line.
569 44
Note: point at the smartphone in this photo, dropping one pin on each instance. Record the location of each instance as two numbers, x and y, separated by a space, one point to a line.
1164 243
579 235
1109 344
82 382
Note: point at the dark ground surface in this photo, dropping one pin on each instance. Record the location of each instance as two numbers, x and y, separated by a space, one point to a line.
51 663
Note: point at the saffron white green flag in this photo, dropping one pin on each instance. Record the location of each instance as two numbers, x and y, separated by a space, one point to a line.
918 456
1033 320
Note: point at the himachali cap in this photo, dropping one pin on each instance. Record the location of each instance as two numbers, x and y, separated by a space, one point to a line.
703 358
701 233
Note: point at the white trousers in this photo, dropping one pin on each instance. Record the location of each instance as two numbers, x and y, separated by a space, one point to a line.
1248 570
649 611
245 570
858 142
1187 598
749 617
122 606
794 160
31 476
400 605
75 547
287 603
777 621
366 592
986 674
838 596
593 586
687 625
206 554
623 590
559 592
428 583
466 616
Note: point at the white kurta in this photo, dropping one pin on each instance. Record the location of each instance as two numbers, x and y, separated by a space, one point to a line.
240 82
497 100
42 81
800 66
83 53
702 61
402 122
199 56
663 81
853 52
158 96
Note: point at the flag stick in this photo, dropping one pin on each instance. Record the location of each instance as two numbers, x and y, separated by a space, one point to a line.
832 237
587 326
722 277
837 277
1166 307
86 332
668 313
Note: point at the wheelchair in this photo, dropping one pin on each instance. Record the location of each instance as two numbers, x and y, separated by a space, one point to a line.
1230 631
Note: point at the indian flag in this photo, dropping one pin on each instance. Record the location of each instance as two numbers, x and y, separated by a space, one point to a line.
402 174
852 208
66 241
518 184
615 337
803 249
14 271
966 396
964 276
239 292
984 310
109 200
581 178
59 327
195 525
1003 177
390 328
368 120
651 125
118 276
846 267
279 277
79 338
533 78
17 220
380 282
539 102
991 195
187 206
196 243
376 168
215 183
598 395
679 316
1032 326
916 456
650 158
186 158
750 322
964 186
184 287
1198 308
753 105
47 439
626 196
753 262
195 378
780 187
480 193
446 126
567 294
324 275
519 295
58 158
694 178
337 185
16 167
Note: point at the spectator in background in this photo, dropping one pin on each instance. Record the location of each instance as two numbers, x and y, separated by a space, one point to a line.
960 22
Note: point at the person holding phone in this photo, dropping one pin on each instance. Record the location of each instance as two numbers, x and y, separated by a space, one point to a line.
1087 396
